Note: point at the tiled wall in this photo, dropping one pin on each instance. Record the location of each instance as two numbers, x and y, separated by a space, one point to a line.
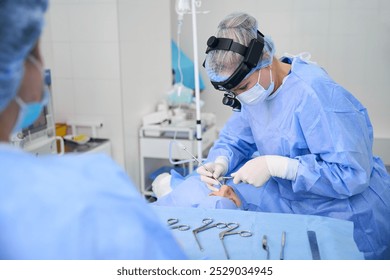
144 37
81 48
110 61
349 38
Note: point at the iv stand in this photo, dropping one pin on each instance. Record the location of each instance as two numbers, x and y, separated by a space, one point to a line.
197 87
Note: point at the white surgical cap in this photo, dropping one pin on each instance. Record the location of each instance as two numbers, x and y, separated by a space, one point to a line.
21 23
242 28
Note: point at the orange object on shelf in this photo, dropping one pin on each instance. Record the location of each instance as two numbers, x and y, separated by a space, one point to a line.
61 129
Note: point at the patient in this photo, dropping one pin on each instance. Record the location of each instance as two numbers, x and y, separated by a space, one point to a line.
175 190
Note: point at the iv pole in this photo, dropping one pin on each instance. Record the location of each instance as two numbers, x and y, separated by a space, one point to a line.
183 7
197 87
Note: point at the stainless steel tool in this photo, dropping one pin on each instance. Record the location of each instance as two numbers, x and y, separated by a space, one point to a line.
222 234
283 245
173 224
265 246
197 160
315 251
207 224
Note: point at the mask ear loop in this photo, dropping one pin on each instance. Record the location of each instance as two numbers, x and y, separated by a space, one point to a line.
38 66
36 63
258 79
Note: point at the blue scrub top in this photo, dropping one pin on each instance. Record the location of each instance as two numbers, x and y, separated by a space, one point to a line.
316 121
75 207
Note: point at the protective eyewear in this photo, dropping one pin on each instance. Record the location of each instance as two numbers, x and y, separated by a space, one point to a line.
251 55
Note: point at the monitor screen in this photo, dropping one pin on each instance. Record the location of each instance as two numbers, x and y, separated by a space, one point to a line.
39 124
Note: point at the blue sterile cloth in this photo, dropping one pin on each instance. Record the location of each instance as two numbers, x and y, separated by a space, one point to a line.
75 207
334 236
187 68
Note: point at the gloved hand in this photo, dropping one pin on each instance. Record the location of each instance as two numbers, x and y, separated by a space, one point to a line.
257 171
217 169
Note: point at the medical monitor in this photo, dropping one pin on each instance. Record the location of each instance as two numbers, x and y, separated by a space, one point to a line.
40 136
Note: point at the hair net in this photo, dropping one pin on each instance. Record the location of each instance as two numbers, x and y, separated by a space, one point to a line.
21 23
242 28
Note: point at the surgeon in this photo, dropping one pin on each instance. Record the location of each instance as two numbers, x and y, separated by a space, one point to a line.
69 207
302 138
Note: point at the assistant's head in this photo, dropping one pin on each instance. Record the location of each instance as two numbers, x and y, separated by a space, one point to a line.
21 24
242 29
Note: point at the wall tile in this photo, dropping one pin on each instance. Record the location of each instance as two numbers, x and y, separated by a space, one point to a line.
62 59
59 22
95 61
98 97
93 22
63 99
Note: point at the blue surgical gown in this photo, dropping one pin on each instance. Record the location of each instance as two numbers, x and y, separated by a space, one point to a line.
316 121
75 207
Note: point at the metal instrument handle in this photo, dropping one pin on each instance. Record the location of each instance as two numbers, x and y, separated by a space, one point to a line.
172 221
181 227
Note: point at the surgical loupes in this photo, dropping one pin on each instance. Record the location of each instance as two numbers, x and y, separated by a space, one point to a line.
232 226
208 223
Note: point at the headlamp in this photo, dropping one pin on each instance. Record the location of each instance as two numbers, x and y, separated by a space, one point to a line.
251 55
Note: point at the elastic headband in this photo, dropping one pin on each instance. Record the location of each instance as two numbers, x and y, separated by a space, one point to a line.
251 55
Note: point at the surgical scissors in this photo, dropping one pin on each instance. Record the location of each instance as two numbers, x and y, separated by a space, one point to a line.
172 224
207 224
233 226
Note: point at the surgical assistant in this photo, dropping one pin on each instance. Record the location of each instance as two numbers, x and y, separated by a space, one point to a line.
69 207
301 137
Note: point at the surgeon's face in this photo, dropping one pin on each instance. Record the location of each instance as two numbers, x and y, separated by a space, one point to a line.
32 83
249 82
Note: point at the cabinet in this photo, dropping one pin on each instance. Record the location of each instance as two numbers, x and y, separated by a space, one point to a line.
156 141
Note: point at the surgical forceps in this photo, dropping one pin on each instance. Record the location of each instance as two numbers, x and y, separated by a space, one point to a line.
172 224
208 223
265 245
232 226
183 147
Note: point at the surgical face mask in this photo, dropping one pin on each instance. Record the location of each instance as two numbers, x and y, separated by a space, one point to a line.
29 112
257 92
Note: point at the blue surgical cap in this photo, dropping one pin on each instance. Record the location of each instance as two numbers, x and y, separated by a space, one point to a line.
21 23
242 28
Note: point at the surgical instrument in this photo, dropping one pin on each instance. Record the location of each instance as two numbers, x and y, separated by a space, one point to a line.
225 178
283 244
265 245
197 160
208 223
315 252
222 234
172 222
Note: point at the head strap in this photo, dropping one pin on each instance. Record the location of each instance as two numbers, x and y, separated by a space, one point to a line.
251 55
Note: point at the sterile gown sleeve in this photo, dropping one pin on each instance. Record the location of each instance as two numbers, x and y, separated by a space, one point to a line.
235 142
